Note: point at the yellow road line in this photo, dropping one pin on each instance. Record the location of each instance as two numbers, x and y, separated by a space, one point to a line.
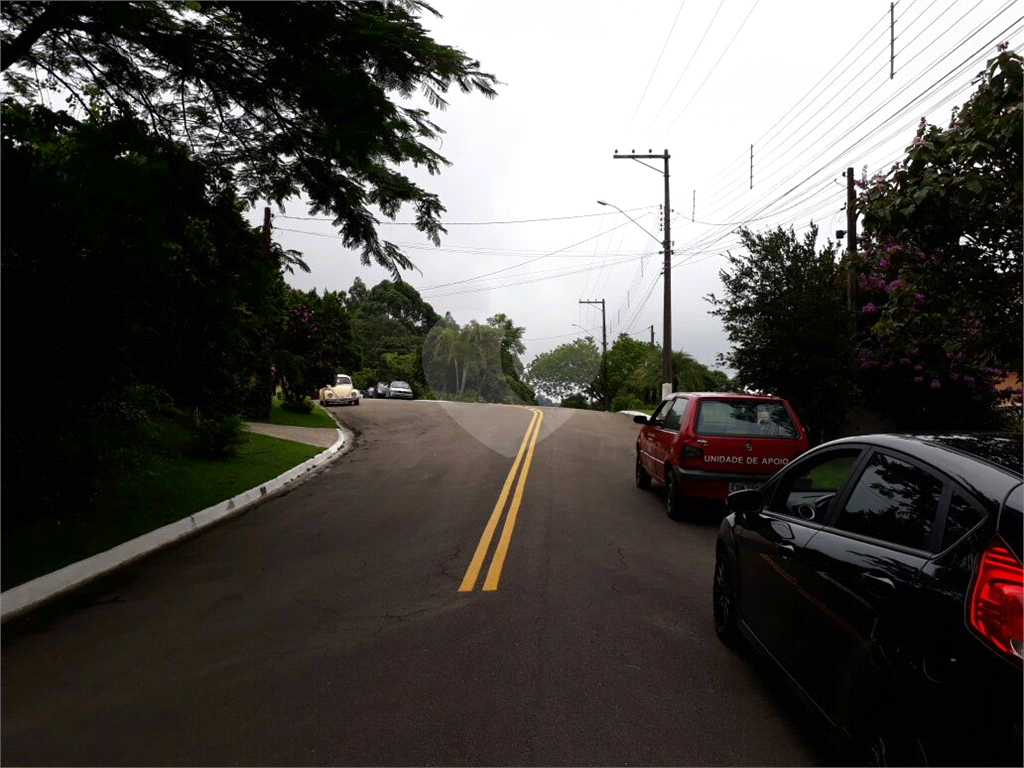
473 572
494 572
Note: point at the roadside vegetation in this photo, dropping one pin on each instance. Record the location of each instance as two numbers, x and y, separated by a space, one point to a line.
930 333
144 317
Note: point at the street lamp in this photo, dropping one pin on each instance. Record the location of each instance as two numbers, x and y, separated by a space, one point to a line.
666 351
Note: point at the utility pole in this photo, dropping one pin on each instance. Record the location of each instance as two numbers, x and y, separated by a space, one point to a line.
666 352
266 228
851 242
652 335
604 355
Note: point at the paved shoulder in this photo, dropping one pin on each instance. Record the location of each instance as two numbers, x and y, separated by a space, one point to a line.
321 436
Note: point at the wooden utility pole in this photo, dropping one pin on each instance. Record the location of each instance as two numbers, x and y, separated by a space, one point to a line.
266 229
666 352
851 242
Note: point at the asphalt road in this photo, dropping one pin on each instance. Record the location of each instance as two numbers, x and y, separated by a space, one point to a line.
336 624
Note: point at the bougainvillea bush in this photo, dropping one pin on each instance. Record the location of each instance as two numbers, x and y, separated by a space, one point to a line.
940 284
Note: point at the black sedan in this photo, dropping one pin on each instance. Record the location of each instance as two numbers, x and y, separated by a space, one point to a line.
882 574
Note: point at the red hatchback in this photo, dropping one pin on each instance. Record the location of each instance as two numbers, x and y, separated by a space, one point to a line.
709 444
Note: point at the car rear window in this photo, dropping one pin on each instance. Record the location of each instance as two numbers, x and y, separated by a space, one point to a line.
745 418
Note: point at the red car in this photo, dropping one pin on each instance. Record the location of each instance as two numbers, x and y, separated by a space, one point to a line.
709 444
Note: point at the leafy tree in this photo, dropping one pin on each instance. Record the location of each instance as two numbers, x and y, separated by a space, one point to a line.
511 339
298 97
316 342
940 264
117 304
569 369
788 326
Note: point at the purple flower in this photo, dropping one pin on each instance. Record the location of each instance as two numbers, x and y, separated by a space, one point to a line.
919 379
905 360
917 368
969 380
935 384
919 297
869 309
973 331
883 264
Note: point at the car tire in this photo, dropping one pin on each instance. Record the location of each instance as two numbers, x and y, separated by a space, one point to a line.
725 599
674 502
643 480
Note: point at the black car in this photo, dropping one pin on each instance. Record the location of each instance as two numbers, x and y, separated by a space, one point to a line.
882 574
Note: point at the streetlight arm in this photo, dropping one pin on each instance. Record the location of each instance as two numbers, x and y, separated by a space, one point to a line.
612 205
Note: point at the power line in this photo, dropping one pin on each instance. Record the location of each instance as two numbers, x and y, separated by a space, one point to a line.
651 78
471 223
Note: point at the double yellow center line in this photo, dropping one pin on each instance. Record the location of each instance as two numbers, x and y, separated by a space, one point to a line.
498 560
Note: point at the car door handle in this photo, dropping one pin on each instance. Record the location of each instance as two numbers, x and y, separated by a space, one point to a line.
879 586
786 551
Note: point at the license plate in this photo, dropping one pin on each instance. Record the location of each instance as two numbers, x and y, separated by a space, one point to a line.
737 485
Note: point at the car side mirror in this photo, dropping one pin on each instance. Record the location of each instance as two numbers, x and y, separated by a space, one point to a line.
745 502
639 419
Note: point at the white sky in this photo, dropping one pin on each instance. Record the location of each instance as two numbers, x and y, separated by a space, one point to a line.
809 88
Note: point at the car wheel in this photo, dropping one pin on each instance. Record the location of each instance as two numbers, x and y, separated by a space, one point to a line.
725 599
673 498
643 480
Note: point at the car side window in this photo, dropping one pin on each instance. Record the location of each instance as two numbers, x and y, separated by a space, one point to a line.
807 490
962 516
892 501
675 415
659 412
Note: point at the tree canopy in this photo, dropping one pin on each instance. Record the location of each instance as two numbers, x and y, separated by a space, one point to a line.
787 324
295 97
940 302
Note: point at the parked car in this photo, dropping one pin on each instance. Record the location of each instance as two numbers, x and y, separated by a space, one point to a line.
882 574
382 389
708 444
400 389
341 392
371 392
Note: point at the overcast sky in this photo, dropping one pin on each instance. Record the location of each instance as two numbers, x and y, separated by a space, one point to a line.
809 88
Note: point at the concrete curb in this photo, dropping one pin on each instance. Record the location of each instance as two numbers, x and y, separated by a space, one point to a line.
31 594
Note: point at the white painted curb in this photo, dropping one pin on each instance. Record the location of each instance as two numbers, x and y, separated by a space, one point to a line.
32 593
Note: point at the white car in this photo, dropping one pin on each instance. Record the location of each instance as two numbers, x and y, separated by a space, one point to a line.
341 392
400 389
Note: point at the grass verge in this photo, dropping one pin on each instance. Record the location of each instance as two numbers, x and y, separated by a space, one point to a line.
318 417
163 491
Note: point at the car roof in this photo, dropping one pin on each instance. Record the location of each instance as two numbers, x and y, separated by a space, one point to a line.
744 395
994 459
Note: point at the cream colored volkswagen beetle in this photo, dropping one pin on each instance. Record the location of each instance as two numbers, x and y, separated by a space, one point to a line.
342 392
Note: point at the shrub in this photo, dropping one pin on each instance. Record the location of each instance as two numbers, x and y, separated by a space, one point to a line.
216 438
627 403
576 401
305 405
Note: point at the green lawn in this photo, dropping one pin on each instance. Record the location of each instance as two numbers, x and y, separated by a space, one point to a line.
317 418
161 492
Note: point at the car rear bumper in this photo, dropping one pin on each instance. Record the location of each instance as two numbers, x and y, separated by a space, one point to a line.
704 476
340 400
714 485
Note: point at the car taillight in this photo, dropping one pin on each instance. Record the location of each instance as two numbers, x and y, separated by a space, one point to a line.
692 452
996 604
